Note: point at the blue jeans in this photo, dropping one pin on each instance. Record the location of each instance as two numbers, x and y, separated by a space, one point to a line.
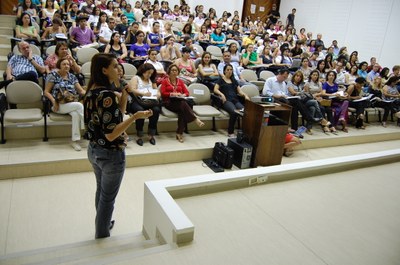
109 167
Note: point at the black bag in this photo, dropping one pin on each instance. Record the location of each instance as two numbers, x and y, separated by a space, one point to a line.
305 96
223 155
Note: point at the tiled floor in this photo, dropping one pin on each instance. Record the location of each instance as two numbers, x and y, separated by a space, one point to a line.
54 210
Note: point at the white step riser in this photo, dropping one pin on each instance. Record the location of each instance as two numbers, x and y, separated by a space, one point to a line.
5 51
7 24
6 31
7 19
5 39
111 248
3 65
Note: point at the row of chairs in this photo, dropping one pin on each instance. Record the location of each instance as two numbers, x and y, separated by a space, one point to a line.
32 106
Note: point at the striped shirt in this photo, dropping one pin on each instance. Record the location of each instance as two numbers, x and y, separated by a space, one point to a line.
20 64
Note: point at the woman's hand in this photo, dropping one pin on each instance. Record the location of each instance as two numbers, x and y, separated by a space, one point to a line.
56 106
223 98
142 114
147 94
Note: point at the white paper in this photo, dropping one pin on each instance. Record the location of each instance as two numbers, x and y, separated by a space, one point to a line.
253 9
262 9
198 92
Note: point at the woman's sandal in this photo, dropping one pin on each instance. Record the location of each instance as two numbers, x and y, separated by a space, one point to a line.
199 123
344 124
333 130
179 137
325 129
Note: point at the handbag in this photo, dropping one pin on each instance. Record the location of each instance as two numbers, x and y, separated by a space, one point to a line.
65 96
305 96
326 102
223 155
147 102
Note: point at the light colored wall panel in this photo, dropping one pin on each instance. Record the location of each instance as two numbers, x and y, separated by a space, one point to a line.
368 26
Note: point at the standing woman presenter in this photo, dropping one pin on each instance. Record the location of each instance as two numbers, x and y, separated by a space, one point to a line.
106 128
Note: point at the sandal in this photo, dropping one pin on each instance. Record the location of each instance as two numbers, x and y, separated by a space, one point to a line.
325 129
179 137
333 130
344 124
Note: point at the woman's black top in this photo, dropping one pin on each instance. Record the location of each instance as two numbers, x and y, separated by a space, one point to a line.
102 115
229 90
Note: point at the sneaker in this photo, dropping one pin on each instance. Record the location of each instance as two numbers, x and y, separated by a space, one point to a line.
76 146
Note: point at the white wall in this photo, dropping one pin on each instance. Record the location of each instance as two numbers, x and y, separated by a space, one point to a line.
368 26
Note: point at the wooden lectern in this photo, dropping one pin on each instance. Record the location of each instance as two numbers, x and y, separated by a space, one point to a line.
266 135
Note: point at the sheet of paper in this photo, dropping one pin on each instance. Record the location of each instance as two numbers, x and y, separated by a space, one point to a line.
253 9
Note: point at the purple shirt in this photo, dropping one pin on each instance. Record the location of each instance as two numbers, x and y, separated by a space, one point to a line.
140 50
83 36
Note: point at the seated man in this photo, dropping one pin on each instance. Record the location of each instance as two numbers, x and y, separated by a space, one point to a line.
105 34
276 87
227 60
82 35
24 67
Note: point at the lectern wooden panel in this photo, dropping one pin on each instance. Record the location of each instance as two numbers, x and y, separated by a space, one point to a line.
267 139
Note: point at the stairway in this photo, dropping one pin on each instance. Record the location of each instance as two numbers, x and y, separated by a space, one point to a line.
7 25
102 251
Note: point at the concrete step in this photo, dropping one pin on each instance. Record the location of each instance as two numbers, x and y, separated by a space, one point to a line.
5 49
7 24
3 62
5 39
104 251
7 19
6 31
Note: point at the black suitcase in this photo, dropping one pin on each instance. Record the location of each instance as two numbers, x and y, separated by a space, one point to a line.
223 155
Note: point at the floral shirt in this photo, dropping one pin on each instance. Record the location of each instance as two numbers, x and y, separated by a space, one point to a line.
61 84
102 115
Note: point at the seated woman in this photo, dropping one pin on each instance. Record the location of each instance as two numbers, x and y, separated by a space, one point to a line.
340 104
186 67
355 92
391 95
228 89
26 31
207 73
314 87
173 92
362 69
116 47
27 7
352 75
160 72
310 109
168 30
250 57
144 85
218 38
304 68
236 57
61 52
138 51
322 69
62 89
170 52
57 28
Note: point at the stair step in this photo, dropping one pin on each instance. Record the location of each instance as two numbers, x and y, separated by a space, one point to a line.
5 49
3 62
104 251
7 24
7 19
6 31
5 39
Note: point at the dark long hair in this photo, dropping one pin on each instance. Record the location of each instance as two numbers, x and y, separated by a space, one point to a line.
233 74
20 20
100 61
144 68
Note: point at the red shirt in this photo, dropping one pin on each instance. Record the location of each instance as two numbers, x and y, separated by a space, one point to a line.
167 88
